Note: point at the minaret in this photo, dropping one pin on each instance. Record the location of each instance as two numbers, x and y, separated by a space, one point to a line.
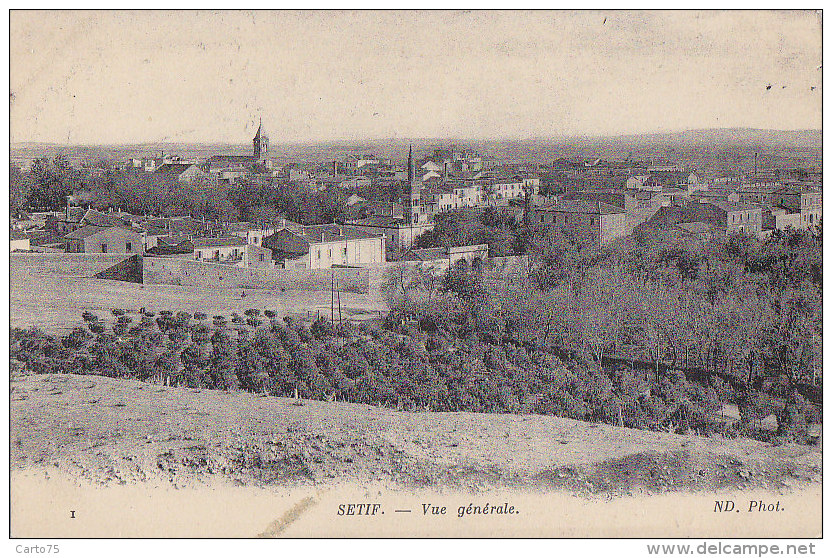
411 174
412 209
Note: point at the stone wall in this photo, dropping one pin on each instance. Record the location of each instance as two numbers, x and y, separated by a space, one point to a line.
75 265
176 271
129 270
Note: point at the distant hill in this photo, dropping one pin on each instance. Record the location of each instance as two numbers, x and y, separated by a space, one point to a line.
727 147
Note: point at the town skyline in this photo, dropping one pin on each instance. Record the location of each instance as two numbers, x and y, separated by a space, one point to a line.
112 78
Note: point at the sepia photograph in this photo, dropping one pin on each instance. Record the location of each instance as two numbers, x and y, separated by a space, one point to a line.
435 274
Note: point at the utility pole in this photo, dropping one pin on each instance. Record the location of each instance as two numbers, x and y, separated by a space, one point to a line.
339 303
331 296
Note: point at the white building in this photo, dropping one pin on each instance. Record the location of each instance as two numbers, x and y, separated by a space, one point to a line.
325 246
811 208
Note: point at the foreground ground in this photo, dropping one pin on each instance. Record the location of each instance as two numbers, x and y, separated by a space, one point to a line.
54 303
121 431
94 456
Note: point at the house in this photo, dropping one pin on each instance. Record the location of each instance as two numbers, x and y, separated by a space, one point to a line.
104 239
184 226
512 189
811 207
756 193
292 173
325 246
439 198
18 241
743 218
172 170
714 192
398 234
223 249
724 216
99 219
442 258
171 246
256 256
787 197
355 182
370 208
251 233
779 218
193 174
657 179
596 223
66 222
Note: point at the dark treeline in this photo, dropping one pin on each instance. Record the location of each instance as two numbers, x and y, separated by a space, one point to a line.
49 182
745 310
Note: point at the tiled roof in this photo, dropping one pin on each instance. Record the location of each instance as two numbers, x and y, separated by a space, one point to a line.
239 227
214 242
93 217
731 206
695 227
334 233
172 168
582 206
84 232
90 230
384 221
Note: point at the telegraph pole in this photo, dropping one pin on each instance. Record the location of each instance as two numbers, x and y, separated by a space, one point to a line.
339 303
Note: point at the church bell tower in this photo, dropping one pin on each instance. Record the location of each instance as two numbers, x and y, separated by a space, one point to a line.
261 146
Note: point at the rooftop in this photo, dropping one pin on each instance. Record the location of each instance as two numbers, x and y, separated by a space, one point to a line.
384 221
582 206
731 206
425 254
93 217
216 242
695 228
90 230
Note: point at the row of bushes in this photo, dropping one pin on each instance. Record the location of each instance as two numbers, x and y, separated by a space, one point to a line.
370 365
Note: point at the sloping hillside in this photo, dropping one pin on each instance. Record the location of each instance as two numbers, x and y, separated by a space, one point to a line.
113 431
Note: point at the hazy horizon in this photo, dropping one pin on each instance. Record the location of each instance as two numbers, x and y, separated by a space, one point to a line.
128 77
553 138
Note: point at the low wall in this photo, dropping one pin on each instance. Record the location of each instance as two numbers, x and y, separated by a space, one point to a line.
75 265
178 271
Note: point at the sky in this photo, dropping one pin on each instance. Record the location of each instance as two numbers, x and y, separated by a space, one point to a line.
109 77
